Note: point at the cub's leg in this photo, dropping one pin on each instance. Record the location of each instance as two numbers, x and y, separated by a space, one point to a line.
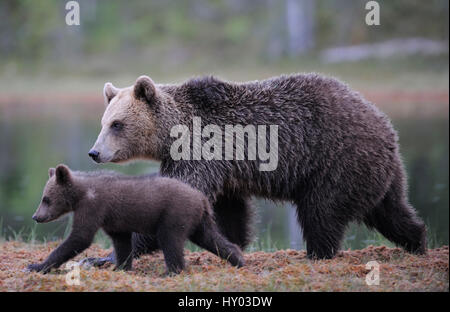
207 236
77 242
123 251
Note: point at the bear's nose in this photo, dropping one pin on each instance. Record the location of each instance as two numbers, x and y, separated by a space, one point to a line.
94 154
35 218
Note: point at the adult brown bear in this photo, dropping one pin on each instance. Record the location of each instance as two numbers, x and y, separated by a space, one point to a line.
338 156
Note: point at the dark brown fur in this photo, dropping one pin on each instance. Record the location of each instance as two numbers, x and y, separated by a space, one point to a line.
338 162
167 209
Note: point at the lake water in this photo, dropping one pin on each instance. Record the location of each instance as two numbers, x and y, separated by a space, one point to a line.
29 146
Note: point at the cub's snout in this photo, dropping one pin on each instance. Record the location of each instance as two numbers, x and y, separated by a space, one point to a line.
39 218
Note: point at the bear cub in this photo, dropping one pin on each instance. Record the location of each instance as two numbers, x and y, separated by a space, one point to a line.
165 208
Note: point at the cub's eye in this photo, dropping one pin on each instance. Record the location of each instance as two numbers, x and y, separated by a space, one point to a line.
46 200
117 125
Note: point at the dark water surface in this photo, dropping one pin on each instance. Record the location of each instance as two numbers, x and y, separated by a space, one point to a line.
29 146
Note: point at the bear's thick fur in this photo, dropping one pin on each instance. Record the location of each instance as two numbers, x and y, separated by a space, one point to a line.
338 154
164 208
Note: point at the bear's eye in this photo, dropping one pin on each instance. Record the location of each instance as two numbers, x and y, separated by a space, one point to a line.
46 200
117 125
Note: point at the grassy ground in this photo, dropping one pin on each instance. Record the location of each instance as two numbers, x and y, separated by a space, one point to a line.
283 270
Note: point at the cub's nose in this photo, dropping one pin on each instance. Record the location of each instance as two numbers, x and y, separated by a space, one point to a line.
94 154
34 218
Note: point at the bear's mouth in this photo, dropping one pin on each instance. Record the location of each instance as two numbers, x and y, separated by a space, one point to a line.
102 158
43 219
117 157
52 218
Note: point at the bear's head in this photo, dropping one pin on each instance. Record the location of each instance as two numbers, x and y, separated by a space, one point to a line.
129 123
59 195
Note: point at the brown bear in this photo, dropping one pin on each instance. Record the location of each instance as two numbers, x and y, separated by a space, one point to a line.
338 155
164 208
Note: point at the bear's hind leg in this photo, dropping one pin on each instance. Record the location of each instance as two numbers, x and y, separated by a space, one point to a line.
233 215
397 221
172 244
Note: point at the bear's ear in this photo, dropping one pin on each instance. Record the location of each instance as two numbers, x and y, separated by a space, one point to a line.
109 92
144 89
62 174
51 172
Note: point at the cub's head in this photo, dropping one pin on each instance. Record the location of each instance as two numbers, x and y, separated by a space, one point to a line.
129 123
58 197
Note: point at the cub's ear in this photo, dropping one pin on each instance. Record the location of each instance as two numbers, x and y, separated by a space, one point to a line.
109 92
51 172
62 174
144 89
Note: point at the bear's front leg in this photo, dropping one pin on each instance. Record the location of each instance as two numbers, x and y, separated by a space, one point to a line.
38 267
71 247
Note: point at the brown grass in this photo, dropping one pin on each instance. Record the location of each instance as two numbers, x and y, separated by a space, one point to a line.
284 270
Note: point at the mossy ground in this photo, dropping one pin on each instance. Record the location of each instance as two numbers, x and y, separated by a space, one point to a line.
283 270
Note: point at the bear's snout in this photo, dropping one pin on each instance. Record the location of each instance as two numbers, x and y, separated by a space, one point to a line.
37 219
94 155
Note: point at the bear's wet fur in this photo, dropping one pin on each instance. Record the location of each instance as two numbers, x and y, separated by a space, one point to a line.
165 209
339 157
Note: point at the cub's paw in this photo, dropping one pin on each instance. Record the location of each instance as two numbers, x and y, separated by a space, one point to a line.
38 267
240 263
